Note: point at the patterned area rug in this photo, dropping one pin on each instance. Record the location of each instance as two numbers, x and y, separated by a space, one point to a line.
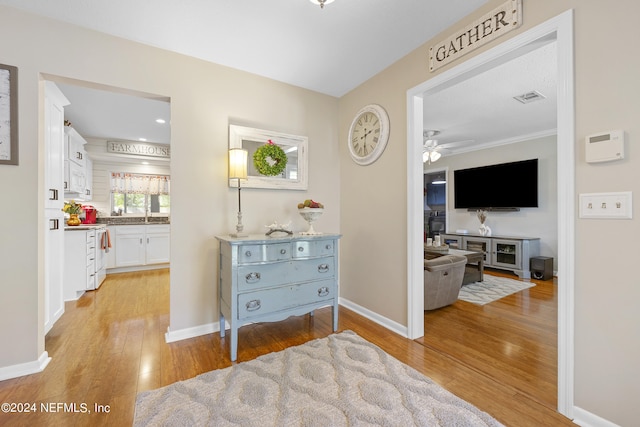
335 381
492 288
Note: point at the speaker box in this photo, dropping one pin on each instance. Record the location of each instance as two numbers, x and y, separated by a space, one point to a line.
541 268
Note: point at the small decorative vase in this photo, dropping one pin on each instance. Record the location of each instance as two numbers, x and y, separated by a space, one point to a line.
310 215
73 220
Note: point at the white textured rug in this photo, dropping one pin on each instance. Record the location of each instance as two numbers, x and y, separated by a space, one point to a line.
492 288
341 380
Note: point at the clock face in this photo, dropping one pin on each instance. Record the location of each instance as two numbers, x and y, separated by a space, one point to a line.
368 134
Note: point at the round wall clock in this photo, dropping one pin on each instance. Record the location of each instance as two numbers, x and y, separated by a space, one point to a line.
368 134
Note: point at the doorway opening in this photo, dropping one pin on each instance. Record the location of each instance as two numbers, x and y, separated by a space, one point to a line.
559 29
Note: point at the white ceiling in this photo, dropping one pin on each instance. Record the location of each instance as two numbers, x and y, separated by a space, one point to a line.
330 50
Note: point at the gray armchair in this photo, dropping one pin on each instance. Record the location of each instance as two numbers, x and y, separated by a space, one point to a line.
442 280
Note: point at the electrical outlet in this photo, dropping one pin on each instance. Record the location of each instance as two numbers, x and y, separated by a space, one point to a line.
606 205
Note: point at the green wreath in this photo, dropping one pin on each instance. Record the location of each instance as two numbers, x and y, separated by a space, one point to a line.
269 159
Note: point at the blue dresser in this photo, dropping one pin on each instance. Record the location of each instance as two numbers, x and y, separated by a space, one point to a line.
267 279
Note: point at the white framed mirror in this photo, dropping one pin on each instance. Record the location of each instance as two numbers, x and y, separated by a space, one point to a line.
294 175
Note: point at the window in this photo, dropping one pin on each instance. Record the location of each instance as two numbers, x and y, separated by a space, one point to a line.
137 194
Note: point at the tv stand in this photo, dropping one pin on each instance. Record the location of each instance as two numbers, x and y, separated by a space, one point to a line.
502 252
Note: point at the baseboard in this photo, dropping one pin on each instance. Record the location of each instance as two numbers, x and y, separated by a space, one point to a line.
210 328
196 331
587 419
137 268
375 317
23 369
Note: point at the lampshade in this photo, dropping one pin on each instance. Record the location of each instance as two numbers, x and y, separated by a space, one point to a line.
430 156
237 163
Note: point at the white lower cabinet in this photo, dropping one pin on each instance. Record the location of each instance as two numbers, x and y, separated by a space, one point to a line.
79 262
139 245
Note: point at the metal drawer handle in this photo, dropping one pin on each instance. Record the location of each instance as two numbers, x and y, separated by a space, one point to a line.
247 254
53 224
283 251
300 249
252 277
253 305
323 268
328 247
323 291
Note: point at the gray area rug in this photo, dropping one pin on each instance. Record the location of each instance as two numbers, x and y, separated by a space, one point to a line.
341 380
492 288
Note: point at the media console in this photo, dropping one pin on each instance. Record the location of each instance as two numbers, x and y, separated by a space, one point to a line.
503 252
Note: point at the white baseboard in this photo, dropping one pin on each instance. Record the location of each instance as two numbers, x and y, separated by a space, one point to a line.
375 317
587 419
137 268
28 368
196 331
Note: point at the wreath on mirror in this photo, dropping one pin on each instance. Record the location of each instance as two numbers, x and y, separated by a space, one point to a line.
270 159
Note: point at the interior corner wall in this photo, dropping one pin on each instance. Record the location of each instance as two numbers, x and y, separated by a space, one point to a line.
540 222
204 97
374 205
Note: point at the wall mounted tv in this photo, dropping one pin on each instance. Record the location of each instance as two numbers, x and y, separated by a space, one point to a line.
504 186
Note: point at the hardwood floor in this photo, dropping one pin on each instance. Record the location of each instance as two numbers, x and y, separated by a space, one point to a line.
109 345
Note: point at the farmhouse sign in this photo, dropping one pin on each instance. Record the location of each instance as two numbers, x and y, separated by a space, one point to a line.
137 148
499 21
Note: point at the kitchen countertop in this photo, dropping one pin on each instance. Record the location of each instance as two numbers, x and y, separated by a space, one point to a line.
84 227
132 220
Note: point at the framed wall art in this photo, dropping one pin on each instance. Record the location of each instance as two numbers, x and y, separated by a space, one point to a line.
292 177
8 115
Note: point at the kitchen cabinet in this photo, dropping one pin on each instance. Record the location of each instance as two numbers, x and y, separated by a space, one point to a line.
140 245
80 248
157 244
77 166
130 247
266 279
53 220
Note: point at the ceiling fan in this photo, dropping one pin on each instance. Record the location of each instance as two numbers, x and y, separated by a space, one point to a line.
432 150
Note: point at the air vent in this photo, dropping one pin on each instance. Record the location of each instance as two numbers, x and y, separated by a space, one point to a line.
528 97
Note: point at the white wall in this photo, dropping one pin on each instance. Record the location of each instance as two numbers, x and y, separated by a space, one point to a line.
541 222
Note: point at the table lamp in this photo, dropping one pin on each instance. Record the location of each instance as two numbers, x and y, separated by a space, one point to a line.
238 170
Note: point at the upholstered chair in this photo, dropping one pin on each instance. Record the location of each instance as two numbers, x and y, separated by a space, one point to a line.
442 280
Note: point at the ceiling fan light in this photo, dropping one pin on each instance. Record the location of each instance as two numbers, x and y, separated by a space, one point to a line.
435 156
321 3
425 157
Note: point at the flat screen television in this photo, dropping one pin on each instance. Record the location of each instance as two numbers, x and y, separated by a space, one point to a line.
510 185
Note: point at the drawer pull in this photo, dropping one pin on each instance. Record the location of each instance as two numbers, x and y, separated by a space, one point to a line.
323 291
53 224
252 277
283 251
300 249
328 247
247 254
323 268
253 305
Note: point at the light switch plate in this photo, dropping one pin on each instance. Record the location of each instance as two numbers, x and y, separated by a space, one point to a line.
606 205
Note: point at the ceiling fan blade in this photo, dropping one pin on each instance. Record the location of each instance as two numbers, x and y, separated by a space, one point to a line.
457 144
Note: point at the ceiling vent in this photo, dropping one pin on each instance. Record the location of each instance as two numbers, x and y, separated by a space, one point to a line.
528 97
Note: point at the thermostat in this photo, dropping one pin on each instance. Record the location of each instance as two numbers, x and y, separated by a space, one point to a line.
604 147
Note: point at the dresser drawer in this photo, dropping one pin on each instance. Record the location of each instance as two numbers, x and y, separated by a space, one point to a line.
269 301
259 276
313 248
264 253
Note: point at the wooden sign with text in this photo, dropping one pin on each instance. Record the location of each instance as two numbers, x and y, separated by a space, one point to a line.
499 21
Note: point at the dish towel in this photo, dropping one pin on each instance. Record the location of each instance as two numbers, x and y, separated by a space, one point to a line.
106 241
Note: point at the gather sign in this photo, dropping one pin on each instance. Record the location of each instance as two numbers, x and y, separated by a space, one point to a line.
499 21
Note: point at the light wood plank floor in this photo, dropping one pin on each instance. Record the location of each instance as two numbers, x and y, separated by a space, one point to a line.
109 345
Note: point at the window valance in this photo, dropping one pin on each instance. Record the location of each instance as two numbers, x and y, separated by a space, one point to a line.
131 183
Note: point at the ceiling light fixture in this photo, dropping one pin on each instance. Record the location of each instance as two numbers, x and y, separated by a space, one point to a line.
430 147
142 139
321 2
528 97
161 121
